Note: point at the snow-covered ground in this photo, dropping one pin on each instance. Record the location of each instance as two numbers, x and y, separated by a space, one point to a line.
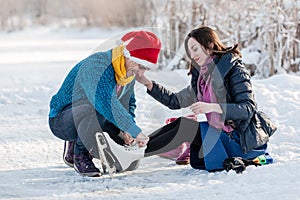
33 64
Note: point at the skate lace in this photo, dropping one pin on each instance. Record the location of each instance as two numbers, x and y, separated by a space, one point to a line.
131 147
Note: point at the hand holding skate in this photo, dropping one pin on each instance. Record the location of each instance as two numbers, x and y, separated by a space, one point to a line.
142 140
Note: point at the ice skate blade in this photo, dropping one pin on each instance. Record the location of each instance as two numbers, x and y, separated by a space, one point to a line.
102 148
123 156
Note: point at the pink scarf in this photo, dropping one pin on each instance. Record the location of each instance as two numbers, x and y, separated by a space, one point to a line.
206 94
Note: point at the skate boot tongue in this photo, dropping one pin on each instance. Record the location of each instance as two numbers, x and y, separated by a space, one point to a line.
132 147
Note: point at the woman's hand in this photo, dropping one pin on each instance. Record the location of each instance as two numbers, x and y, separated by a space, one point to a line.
141 78
142 139
203 107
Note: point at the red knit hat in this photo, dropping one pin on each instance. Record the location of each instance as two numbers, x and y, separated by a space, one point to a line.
142 47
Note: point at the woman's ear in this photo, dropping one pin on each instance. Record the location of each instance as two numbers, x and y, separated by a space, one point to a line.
211 45
210 48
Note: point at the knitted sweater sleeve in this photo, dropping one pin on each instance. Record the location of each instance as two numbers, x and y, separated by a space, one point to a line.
132 105
98 84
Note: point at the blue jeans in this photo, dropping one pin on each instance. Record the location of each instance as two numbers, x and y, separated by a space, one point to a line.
80 122
217 146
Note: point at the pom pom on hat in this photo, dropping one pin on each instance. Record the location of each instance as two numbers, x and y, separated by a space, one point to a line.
142 47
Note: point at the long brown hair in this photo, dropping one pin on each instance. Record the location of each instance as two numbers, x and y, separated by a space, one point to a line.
205 36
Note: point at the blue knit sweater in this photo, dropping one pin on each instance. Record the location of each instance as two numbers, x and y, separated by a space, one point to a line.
93 79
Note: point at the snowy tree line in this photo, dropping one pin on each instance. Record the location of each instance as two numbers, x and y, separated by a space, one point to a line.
268 31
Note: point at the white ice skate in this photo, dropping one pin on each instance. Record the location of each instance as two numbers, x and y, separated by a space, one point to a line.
115 157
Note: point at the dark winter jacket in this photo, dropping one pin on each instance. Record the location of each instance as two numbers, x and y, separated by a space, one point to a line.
231 85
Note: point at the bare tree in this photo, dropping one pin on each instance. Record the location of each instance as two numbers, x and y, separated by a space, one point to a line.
270 28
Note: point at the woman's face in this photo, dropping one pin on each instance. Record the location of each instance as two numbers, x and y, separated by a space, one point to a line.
198 53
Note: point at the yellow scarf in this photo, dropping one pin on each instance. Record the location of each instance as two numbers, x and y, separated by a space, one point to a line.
118 62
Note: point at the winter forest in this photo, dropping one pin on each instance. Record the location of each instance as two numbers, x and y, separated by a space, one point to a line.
267 30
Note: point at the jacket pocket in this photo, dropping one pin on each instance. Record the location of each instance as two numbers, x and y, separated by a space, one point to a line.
258 131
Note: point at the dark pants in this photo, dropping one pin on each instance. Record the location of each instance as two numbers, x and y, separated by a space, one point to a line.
79 122
209 146
172 135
